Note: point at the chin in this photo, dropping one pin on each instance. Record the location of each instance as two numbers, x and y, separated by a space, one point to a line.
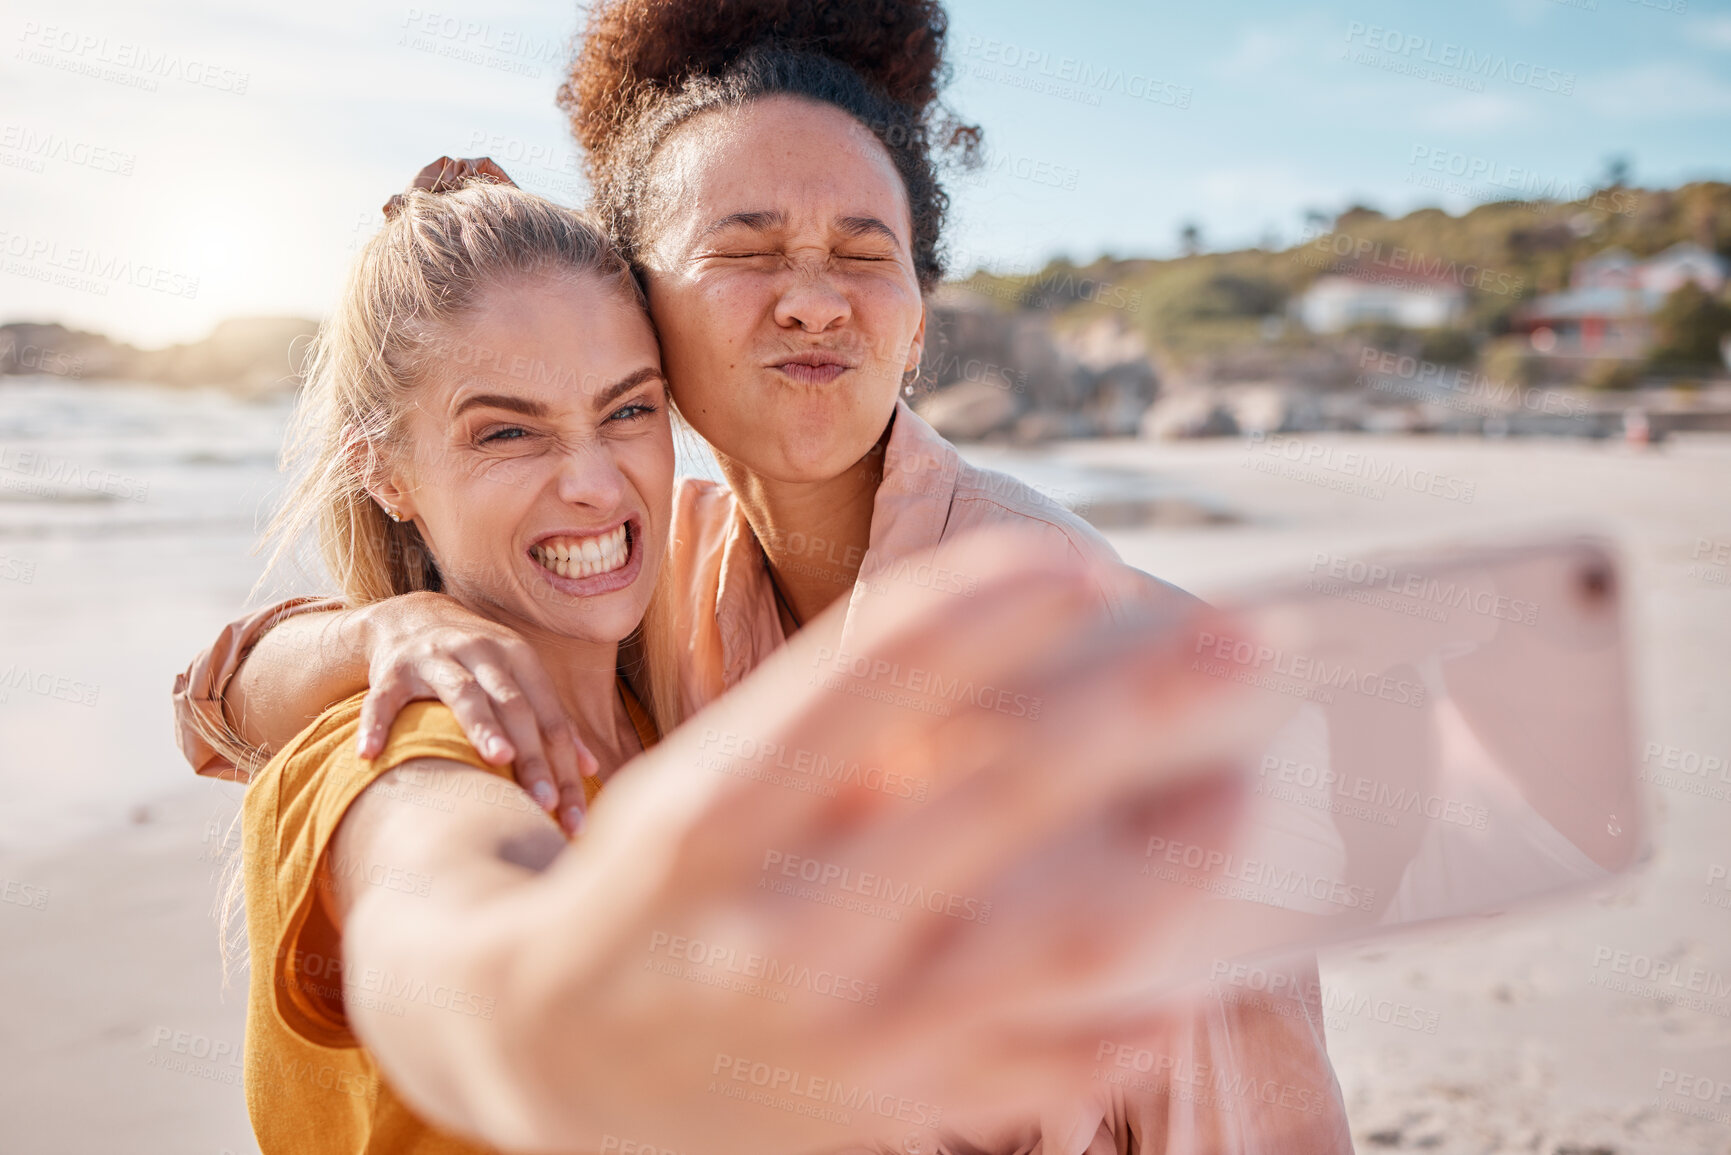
605 633
600 625
806 468
825 457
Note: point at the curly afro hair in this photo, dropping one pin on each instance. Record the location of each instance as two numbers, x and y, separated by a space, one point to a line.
647 66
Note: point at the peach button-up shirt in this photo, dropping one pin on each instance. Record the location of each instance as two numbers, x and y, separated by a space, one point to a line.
929 497
1229 1076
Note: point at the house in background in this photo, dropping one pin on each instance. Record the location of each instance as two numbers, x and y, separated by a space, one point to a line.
1339 300
1607 309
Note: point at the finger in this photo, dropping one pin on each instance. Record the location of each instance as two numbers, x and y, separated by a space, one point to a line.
567 755
1122 728
1085 927
1117 714
1031 969
571 762
473 706
564 745
885 700
385 699
531 767
789 710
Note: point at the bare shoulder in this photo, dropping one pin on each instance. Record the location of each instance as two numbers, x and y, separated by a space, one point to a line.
426 817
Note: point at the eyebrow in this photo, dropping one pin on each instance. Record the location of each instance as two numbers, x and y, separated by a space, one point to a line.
524 405
529 407
763 220
625 384
867 227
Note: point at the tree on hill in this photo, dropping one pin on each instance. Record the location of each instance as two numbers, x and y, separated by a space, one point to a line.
1687 330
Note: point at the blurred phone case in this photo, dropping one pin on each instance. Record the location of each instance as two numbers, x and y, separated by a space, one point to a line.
1444 735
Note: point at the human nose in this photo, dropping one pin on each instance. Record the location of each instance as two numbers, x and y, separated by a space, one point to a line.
812 302
589 477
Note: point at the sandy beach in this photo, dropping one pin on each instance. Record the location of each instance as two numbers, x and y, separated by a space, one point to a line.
1528 1033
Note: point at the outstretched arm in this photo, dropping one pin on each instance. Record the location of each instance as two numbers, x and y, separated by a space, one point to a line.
483 859
982 999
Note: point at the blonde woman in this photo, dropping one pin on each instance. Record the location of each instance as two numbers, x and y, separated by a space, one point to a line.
486 418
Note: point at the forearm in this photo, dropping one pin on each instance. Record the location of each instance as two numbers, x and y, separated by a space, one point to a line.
472 1056
539 1029
294 672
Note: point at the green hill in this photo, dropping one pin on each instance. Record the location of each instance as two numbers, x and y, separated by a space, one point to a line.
1196 307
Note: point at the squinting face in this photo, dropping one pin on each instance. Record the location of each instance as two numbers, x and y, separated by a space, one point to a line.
538 459
781 277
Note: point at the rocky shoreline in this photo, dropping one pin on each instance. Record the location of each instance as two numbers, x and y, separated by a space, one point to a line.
248 355
1018 377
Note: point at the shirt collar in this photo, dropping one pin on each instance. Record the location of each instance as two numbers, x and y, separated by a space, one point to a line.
919 484
909 514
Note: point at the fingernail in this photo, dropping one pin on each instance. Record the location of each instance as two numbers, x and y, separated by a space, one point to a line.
543 793
574 819
496 748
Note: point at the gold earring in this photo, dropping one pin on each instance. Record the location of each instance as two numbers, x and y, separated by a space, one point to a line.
391 513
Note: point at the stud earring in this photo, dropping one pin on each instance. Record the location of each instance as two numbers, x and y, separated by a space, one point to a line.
391 513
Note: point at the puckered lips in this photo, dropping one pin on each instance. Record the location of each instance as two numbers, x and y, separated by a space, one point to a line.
815 366
586 562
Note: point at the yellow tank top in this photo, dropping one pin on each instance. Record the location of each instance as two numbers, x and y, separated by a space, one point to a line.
311 1088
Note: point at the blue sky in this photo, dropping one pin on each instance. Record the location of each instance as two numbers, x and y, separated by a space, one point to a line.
168 164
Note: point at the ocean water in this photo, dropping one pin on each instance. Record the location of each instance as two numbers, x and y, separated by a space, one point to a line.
127 520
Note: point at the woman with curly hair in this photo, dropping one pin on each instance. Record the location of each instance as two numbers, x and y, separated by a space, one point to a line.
770 172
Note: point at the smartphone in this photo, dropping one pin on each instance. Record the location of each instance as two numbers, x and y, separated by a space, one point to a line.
1448 735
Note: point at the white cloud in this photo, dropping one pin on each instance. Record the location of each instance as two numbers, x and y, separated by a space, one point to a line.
1648 92
1255 52
1480 112
1715 31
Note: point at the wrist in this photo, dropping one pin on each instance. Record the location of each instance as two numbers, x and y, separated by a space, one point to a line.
385 622
360 631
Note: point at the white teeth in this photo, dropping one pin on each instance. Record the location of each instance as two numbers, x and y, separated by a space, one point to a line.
584 557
